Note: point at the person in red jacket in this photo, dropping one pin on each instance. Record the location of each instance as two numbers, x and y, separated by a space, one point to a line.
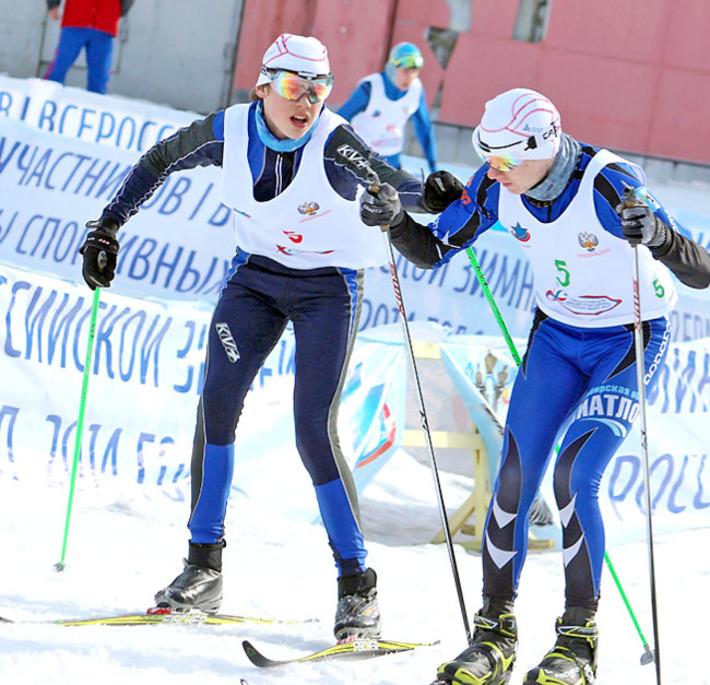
88 24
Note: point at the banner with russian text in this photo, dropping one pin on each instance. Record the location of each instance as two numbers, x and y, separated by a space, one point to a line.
110 120
146 375
64 152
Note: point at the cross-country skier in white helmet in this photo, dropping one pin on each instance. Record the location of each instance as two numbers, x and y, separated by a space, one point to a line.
283 157
564 202
382 103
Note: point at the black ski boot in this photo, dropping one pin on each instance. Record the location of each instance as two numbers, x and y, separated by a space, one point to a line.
199 586
358 614
490 658
572 661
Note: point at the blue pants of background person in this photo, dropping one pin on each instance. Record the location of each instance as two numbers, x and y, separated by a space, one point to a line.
584 378
99 51
255 306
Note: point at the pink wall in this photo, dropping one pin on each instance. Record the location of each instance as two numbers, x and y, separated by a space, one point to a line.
632 75
356 33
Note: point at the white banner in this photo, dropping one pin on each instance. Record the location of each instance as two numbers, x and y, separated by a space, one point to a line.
111 120
371 418
147 371
678 412
143 386
179 246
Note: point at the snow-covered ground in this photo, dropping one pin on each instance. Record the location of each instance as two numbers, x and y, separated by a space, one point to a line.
127 542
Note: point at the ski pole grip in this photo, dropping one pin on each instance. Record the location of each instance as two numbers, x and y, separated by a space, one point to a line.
630 199
375 190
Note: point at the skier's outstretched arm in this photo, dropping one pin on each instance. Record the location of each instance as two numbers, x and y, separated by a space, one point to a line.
348 158
456 228
199 144
688 260
357 102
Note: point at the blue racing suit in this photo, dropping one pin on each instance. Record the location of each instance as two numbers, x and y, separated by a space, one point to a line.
578 376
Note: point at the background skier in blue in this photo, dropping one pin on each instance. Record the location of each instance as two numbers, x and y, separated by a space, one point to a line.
563 201
382 103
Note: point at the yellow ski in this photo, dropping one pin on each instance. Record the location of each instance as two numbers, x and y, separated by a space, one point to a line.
159 616
354 649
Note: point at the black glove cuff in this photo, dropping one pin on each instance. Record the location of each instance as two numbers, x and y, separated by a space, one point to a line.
664 248
103 237
661 235
106 222
399 222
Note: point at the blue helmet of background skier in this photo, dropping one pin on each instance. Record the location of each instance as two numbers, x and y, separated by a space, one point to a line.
382 104
404 63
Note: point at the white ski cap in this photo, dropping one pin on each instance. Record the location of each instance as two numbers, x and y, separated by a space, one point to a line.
304 55
521 121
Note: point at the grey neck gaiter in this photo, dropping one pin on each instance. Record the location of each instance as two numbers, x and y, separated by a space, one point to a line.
565 162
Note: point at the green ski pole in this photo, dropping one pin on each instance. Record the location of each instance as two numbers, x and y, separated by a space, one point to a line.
494 307
59 566
647 657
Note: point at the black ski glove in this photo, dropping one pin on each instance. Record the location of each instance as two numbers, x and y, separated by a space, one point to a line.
99 251
441 189
642 226
381 207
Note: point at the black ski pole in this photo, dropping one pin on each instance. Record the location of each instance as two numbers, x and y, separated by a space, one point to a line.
358 163
632 198
427 432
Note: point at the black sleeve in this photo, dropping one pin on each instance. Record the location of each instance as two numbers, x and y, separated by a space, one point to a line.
125 6
190 147
350 162
417 243
689 261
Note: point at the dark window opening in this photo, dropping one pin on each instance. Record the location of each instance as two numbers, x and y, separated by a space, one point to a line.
531 22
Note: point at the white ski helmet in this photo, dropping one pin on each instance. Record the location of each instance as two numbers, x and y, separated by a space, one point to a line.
519 123
303 55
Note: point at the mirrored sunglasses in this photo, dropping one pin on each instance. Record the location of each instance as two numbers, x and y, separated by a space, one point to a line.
410 62
293 87
504 162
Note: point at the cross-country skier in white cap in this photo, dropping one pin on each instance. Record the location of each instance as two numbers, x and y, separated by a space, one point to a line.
563 201
288 173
